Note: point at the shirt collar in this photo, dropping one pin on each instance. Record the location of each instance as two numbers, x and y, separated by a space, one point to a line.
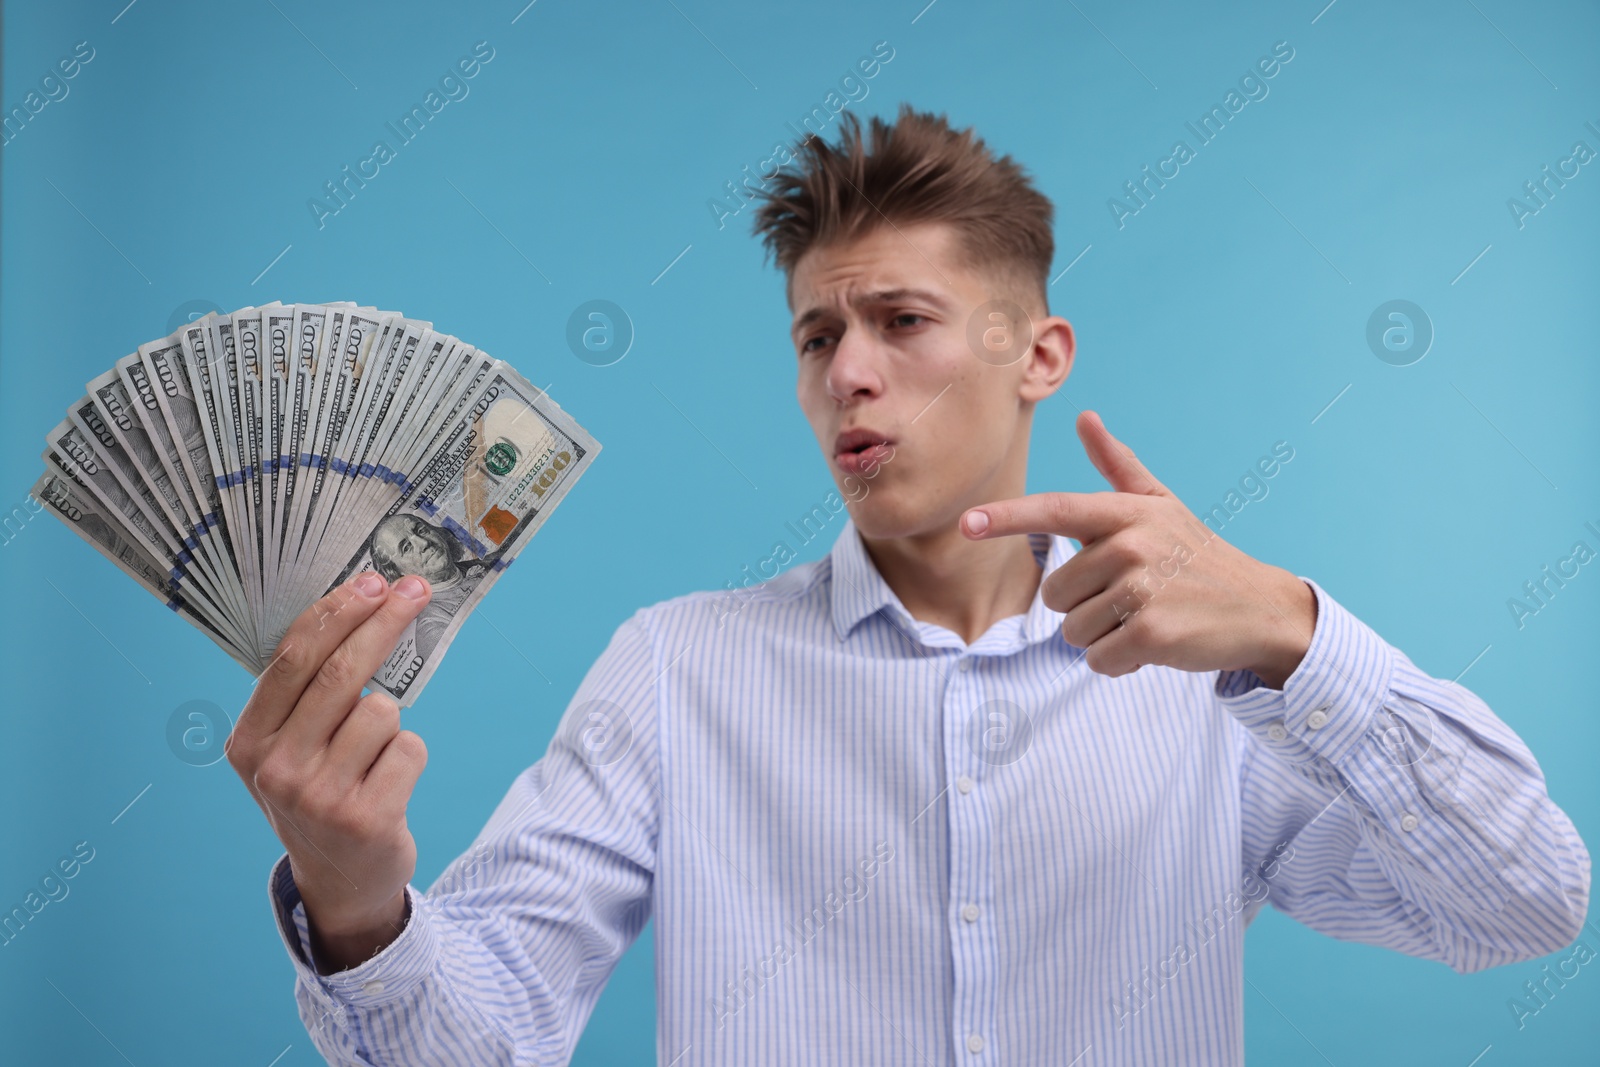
858 590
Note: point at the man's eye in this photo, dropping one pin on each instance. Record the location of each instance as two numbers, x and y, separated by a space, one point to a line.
405 546
806 347
908 315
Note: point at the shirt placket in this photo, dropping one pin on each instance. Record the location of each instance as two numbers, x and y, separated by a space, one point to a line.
971 891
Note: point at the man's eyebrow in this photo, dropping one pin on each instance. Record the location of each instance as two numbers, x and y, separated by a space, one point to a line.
880 296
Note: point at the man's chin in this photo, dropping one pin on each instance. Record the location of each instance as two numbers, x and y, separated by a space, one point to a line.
884 516
442 577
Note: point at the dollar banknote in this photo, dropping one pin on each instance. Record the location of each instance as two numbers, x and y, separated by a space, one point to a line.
244 466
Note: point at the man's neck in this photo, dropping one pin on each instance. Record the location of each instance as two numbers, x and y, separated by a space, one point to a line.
965 586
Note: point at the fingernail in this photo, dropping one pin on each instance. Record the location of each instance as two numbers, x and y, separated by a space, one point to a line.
370 583
977 521
410 587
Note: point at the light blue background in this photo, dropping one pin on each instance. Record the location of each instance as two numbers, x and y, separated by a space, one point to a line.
1209 327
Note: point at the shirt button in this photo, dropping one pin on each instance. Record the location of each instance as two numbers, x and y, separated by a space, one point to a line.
974 1042
1408 822
1277 731
375 986
970 913
1317 719
966 664
964 784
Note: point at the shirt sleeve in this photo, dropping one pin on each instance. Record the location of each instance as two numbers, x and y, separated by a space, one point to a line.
502 959
1383 805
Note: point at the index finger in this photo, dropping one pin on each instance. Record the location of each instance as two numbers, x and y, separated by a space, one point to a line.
315 633
1083 516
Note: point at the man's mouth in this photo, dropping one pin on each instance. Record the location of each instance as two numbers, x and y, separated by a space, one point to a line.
862 451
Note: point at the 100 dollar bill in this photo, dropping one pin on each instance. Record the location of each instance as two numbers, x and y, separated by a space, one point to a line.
491 478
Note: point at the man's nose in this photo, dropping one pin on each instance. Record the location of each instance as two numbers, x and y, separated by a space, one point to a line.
854 369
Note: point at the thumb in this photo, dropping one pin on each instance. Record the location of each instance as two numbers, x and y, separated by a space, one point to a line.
1115 460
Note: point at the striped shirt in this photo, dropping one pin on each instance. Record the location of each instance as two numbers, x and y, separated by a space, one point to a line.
864 841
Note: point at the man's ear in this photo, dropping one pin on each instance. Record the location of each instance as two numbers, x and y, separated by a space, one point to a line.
1050 360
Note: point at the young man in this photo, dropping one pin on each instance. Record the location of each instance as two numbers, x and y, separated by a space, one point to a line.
957 793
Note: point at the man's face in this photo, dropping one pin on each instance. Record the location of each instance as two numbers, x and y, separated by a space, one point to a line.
416 547
881 327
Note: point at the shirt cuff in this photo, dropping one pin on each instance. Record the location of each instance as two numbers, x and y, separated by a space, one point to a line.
1330 701
393 973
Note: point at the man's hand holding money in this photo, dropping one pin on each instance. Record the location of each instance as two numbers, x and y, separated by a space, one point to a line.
332 769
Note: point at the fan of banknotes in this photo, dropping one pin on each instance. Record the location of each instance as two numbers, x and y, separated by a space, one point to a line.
251 462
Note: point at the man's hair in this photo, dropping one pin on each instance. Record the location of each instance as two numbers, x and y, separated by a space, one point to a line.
917 170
